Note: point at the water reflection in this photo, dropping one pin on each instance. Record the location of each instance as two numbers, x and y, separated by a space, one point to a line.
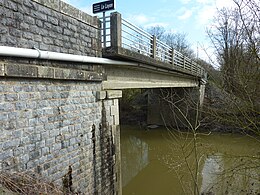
134 158
229 164
212 168
222 174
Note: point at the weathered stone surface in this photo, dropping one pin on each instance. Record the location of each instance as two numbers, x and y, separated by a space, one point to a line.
101 95
45 72
114 94
51 120
49 25
54 4
54 125
17 70
67 9
11 69
2 69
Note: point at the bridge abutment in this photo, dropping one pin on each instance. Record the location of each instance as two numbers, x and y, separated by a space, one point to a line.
55 119
110 120
58 126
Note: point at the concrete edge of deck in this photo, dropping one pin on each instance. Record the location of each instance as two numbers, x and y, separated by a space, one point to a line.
121 53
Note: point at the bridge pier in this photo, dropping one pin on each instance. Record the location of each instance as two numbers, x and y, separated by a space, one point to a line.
110 120
175 107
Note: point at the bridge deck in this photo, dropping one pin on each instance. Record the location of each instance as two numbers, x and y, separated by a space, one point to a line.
125 41
121 53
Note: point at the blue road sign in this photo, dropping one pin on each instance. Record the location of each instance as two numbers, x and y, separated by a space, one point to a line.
103 6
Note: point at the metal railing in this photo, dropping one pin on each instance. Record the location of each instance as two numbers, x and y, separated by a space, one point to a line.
118 32
105 31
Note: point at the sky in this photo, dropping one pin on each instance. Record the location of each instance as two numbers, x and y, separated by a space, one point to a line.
191 17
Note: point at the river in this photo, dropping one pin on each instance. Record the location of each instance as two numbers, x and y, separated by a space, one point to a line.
162 162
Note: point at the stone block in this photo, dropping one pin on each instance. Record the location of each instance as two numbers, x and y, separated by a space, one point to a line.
39 23
53 4
6 154
3 30
68 32
92 76
53 20
30 4
114 94
18 16
47 40
29 20
76 74
2 70
44 47
45 72
11 144
11 5
19 70
101 95
11 97
9 40
15 32
39 15
24 26
61 73
24 158
34 155
6 107
28 35
69 10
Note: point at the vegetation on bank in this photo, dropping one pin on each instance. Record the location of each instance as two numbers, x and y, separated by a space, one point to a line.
26 184
235 36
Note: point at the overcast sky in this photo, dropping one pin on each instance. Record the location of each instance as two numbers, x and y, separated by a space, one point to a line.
191 17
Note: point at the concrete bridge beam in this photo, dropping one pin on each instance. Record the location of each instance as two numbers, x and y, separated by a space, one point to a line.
126 77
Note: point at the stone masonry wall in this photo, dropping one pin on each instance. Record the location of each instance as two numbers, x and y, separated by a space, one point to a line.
55 119
45 127
50 127
49 25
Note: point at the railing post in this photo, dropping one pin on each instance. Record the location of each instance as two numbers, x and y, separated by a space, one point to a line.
184 62
116 29
153 47
173 56
104 30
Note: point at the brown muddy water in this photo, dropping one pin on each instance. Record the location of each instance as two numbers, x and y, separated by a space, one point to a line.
162 162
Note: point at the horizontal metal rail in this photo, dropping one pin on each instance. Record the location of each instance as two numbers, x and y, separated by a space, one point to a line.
121 33
136 28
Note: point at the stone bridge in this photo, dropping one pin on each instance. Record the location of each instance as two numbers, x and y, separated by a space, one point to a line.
62 72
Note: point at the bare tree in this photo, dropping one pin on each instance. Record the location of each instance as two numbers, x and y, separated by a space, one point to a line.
235 36
157 31
178 41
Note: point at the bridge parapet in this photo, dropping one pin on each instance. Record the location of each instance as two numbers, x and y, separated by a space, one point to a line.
121 39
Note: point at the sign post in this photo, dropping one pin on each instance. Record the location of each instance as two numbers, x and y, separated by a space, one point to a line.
103 7
104 29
